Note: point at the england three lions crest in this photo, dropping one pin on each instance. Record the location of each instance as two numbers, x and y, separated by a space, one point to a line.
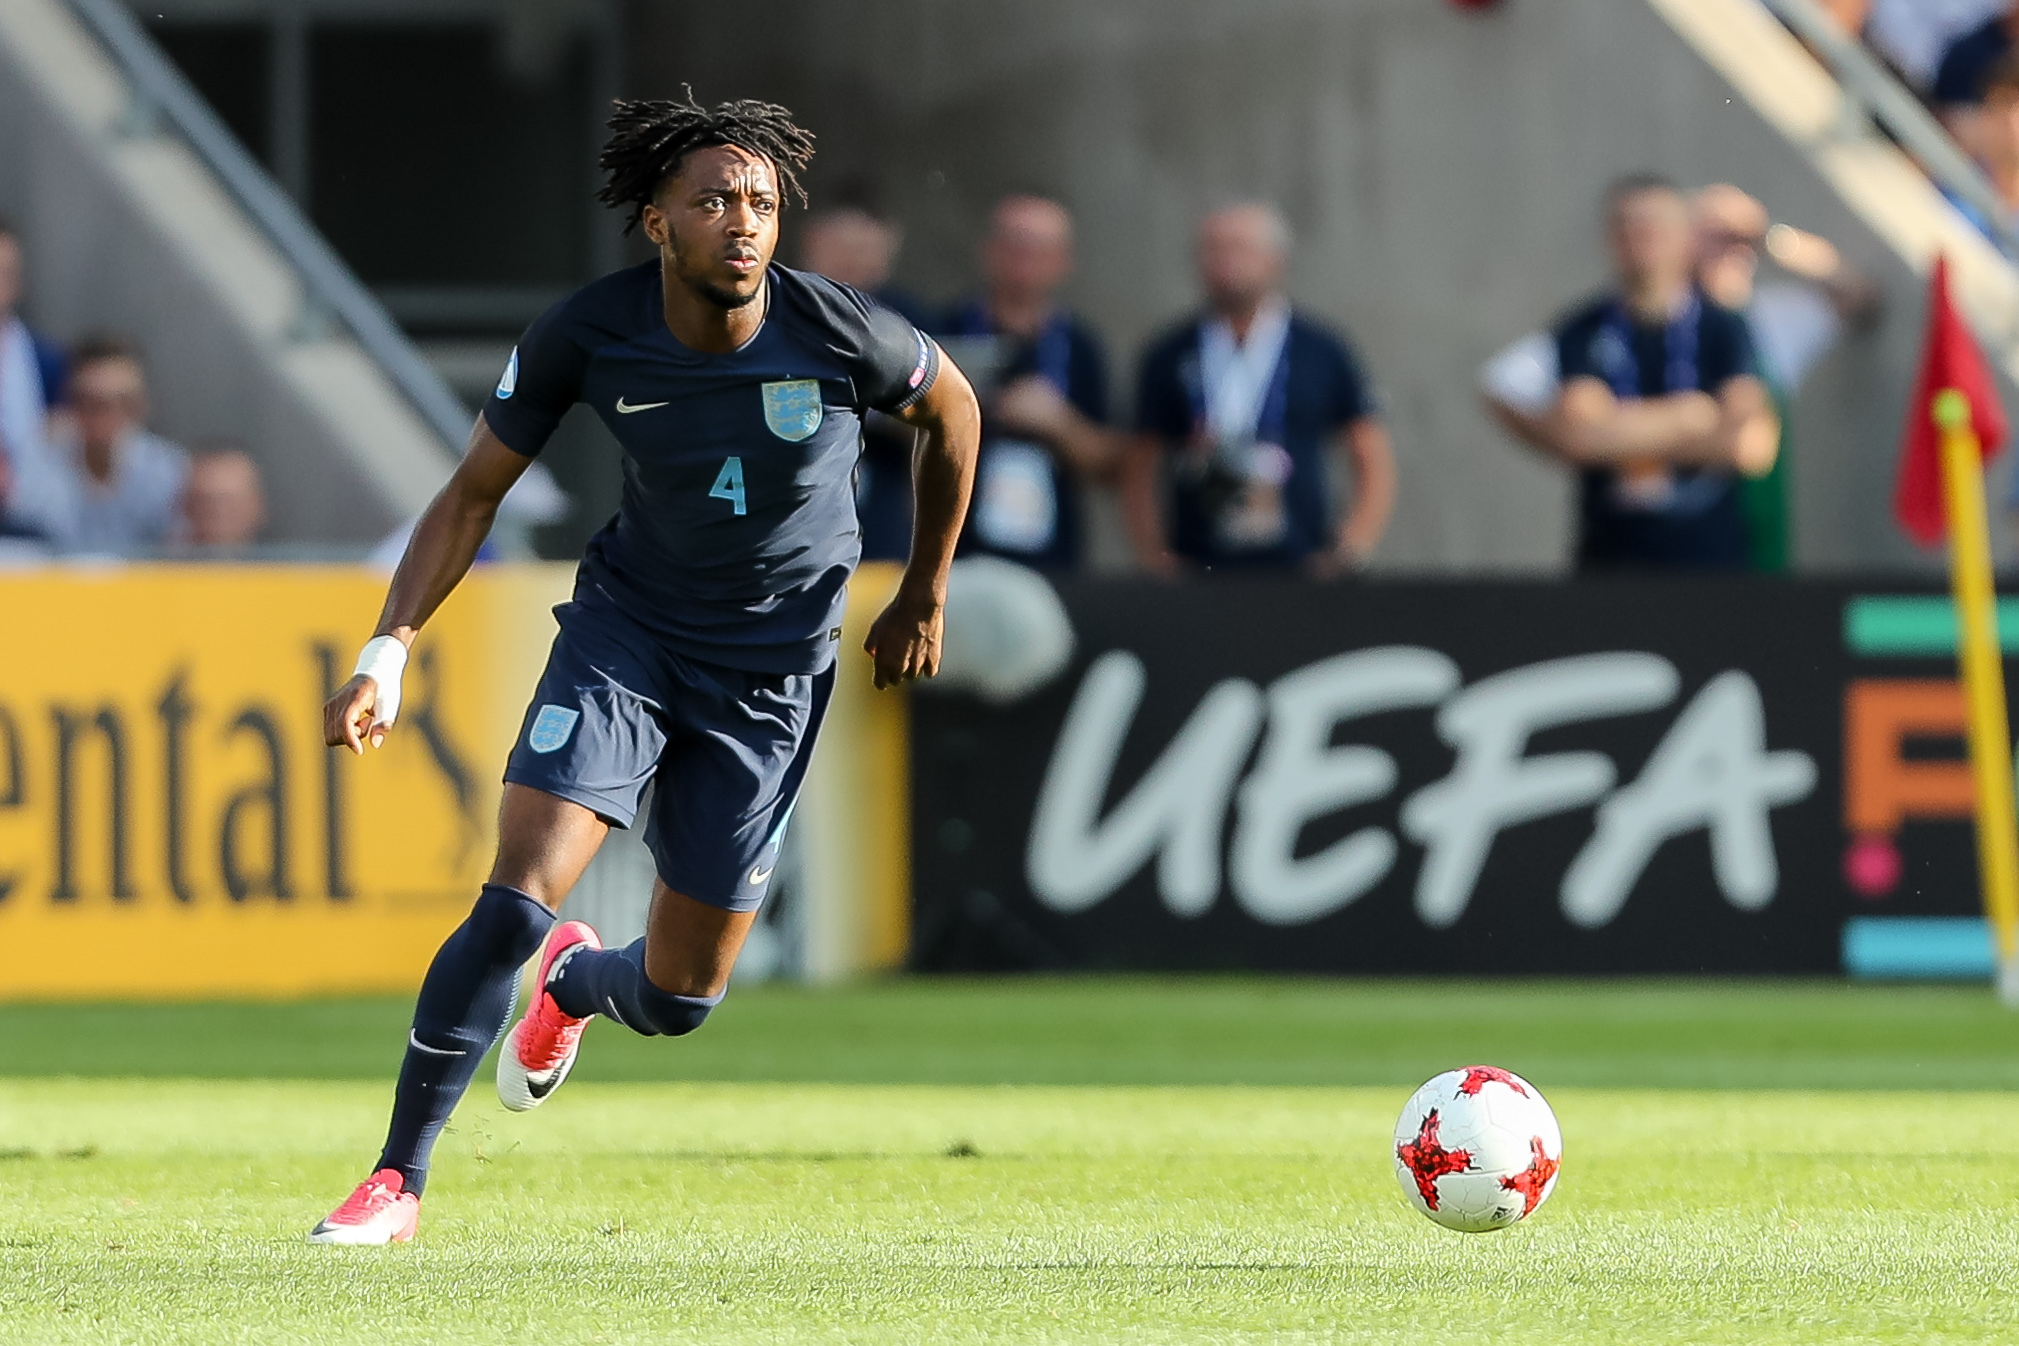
792 408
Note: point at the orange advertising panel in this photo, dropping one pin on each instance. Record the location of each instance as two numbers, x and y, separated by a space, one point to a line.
170 823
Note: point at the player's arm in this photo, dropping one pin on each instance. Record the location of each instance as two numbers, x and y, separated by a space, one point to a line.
438 555
904 642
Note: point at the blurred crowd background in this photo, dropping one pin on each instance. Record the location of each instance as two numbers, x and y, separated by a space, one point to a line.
1384 286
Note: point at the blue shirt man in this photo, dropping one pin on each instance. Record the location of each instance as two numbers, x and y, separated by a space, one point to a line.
1686 517
1043 380
1239 411
1661 405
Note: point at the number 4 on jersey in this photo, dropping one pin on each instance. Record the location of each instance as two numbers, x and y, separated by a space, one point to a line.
729 484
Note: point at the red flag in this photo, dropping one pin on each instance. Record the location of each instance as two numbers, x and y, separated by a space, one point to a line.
1949 359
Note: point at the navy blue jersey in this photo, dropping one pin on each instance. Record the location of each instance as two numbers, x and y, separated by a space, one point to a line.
737 532
1698 520
1320 390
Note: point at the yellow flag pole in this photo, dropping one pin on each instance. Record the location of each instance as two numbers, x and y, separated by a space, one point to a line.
1983 670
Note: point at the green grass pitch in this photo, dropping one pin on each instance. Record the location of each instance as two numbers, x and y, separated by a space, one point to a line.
1034 1161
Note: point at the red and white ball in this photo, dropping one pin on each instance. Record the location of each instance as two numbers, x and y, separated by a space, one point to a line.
1477 1149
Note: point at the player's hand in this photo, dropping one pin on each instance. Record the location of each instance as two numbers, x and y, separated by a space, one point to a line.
904 642
348 720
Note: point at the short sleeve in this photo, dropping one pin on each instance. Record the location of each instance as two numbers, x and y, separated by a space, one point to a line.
542 379
891 363
1352 396
1162 406
1794 325
1089 377
1574 356
1524 374
1727 349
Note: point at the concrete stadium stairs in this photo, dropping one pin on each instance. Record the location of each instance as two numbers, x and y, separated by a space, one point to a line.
127 229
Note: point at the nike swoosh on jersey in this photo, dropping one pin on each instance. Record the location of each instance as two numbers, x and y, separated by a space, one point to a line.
626 408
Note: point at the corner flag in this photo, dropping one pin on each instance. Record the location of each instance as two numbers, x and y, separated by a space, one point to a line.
1954 425
1949 359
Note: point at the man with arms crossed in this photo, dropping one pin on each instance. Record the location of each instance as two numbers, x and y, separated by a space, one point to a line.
699 649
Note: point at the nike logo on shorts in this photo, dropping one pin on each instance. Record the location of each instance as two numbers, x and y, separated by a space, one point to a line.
758 874
626 408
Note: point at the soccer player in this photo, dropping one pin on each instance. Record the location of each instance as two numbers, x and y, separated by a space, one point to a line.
698 651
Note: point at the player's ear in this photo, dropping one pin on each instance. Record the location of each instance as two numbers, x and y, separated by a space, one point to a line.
653 221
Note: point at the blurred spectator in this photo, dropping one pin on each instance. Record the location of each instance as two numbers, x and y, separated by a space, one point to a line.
1994 142
1913 35
1794 322
1661 405
1242 410
31 377
856 246
1042 378
124 481
1963 78
223 505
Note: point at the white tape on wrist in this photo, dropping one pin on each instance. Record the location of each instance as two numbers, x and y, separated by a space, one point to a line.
383 660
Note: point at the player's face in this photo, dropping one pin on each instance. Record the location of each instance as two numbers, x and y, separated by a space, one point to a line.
716 224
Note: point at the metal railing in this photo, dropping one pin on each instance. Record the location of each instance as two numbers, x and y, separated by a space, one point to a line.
1883 100
162 99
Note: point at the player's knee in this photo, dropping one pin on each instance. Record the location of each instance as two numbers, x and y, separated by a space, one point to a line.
509 922
676 1015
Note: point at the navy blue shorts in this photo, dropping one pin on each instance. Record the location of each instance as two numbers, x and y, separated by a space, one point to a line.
725 749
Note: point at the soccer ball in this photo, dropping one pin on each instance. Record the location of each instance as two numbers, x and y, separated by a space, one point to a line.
1477 1149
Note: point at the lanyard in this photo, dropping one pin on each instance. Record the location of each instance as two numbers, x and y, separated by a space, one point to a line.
1679 350
1272 421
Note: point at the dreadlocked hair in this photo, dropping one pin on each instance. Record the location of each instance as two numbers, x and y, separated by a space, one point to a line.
650 137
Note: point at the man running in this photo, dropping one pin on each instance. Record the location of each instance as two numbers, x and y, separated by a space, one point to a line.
698 651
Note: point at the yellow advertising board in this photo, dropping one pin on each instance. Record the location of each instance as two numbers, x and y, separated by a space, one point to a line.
170 823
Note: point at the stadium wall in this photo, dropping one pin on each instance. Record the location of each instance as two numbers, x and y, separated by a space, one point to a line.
1442 170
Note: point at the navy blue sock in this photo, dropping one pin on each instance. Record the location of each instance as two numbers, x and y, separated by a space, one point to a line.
465 1004
613 982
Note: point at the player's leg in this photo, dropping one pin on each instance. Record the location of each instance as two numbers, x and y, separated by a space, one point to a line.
545 843
718 822
666 983
591 739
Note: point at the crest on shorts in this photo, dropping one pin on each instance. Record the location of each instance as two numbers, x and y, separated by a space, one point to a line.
792 408
551 728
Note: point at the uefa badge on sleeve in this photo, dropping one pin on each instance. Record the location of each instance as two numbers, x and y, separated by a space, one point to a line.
551 728
792 408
